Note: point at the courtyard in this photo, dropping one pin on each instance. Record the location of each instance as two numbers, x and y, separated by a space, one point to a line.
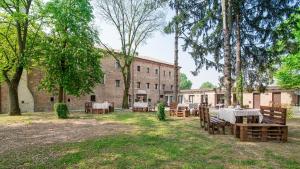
133 140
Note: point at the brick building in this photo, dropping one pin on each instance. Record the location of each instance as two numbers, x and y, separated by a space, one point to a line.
272 96
152 80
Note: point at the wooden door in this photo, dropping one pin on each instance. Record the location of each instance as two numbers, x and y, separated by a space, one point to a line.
256 100
276 99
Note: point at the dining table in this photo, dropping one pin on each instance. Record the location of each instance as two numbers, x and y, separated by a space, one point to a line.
236 115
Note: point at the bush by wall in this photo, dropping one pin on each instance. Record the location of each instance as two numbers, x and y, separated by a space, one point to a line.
161 112
61 110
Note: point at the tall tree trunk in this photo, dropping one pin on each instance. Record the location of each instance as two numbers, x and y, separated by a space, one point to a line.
127 79
176 55
226 13
61 95
14 108
238 58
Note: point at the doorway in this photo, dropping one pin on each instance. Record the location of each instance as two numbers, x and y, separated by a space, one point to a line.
256 100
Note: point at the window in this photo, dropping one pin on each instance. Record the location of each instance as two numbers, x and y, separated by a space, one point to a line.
69 100
52 99
103 80
156 86
204 98
148 70
180 98
138 68
118 83
93 98
171 87
161 96
170 74
148 85
138 85
117 65
156 71
191 98
164 73
163 86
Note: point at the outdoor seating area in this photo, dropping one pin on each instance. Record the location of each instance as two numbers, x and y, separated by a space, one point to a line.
140 107
264 124
99 108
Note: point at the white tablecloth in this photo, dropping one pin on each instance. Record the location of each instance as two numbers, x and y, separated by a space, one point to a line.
230 115
101 105
140 104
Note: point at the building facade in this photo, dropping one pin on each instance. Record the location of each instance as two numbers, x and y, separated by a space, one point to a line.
273 96
151 81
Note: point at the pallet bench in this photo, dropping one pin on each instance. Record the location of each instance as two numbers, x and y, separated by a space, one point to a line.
261 132
273 115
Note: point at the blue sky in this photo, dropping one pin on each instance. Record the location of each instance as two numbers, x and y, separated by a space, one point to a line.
159 46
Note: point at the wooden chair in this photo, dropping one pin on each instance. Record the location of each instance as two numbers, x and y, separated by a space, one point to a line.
213 123
88 107
202 117
182 112
273 115
173 108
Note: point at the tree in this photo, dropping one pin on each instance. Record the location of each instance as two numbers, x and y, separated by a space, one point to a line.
175 5
207 85
135 21
185 83
226 21
288 75
202 30
71 63
18 31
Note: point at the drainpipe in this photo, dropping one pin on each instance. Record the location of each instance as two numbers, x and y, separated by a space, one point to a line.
159 82
132 83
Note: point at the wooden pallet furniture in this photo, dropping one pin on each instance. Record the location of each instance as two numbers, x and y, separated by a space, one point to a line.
182 112
99 108
261 132
140 107
213 123
273 115
173 108
202 116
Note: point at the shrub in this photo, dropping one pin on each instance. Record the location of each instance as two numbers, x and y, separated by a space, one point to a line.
61 110
161 112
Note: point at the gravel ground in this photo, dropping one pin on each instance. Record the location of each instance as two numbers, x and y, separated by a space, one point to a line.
20 135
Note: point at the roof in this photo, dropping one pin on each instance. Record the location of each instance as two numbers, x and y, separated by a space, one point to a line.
155 60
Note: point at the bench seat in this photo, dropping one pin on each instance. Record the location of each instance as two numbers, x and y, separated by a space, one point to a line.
261 132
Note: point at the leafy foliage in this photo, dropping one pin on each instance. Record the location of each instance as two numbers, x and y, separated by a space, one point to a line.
288 75
161 112
207 85
185 83
201 29
20 24
135 21
61 110
70 60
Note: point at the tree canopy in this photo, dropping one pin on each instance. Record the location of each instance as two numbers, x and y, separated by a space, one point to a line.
71 63
20 24
185 83
207 85
135 21
288 76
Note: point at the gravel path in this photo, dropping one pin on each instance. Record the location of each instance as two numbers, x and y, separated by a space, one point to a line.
17 136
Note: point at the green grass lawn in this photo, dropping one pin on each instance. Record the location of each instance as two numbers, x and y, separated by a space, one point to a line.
175 143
